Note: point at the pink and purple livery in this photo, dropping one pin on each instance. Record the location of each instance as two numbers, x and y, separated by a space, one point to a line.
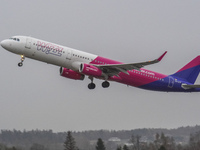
75 64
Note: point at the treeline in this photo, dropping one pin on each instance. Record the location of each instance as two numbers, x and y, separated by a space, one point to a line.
35 138
86 140
4 147
161 142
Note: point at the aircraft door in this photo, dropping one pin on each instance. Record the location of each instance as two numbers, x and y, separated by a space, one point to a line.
171 82
28 43
69 54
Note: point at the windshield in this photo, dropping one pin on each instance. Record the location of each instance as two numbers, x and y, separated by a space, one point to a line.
15 39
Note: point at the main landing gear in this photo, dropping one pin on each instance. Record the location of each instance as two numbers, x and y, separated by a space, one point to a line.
91 85
105 84
20 64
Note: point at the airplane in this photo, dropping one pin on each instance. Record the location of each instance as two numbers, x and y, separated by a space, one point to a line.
76 64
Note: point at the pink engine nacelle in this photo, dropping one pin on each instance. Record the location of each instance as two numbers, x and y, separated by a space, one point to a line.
90 70
68 73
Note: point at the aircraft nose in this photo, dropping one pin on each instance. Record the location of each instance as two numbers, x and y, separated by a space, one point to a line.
4 44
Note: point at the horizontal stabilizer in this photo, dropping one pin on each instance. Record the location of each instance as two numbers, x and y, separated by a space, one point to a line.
190 86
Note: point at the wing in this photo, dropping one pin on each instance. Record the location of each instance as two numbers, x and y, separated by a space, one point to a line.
115 69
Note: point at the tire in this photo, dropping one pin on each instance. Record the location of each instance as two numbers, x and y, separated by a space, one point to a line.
91 86
20 64
105 84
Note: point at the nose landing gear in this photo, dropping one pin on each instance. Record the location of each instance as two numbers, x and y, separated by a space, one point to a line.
20 64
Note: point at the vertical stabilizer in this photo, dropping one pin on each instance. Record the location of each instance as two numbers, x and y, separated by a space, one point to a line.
190 71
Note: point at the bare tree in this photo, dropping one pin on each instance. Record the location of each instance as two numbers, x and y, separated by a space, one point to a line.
135 141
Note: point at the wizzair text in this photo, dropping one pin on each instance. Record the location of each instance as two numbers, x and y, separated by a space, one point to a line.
49 48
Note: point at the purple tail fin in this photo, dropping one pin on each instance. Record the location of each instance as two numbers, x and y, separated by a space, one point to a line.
190 71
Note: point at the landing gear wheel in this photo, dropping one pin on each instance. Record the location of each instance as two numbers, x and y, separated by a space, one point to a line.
105 84
20 64
91 86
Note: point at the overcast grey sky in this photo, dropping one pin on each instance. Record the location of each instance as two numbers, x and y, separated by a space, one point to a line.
36 97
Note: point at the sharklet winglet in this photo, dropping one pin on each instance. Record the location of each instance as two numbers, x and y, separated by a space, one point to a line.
161 57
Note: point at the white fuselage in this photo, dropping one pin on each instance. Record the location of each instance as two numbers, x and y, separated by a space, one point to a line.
48 52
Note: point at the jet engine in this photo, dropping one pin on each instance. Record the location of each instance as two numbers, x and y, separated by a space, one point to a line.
90 70
68 73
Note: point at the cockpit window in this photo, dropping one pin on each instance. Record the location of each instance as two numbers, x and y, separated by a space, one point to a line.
15 39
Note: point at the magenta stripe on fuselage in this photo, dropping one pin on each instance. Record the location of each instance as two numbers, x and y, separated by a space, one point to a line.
134 78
